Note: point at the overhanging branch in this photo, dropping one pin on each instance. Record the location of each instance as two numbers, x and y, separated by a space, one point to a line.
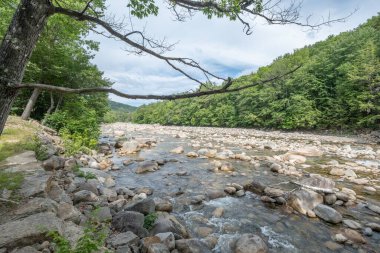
223 89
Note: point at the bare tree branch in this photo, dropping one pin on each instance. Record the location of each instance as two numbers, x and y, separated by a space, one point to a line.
223 89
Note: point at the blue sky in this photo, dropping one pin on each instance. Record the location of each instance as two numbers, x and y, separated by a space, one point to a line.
218 44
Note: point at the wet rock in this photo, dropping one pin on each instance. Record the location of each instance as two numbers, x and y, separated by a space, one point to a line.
308 151
130 147
192 154
273 192
163 205
191 246
238 187
54 163
230 190
182 173
255 186
267 199
158 248
367 232
280 200
275 167
243 157
329 199
353 236
342 196
218 212
29 230
167 239
240 193
319 181
374 208
340 238
198 199
129 221
226 167
215 194
352 224
374 226
146 166
250 243
328 214
304 200
337 172
178 150
85 196
104 148
145 206
203 231
168 223
122 239
146 190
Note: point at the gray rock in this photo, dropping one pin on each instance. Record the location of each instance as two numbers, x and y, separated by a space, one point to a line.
27 249
103 214
304 200
329 199
319 181
37 205
145 206
215 194
342 196
198 199
56 193
367 231
110 194
374 208
117 205
255 186
127 238
129 221
88 187
168 223
191 246
72 232
54 163
34 185
352 224
374 226
273 192
158 248
275 167
131 147
250 243
101 175
163 205
67 211
125 191
23 158
109 182
29 230
85 196
146 166
328 214
167 239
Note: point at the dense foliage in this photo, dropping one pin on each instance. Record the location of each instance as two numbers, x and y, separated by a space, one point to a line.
338 86
118 112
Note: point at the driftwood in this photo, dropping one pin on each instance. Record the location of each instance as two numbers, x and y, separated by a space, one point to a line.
313 188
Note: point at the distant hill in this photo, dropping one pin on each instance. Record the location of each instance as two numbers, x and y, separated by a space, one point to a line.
116 106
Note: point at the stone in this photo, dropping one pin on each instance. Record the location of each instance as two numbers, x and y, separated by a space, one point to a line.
27 249
23 158
163 205
146 166
145 206
280 200
117 205
191 246
342 196
330 199
215 194
125 191
198 199
68 212
328 214
125 221
374 226
226 167
369 189
167 239
267 199
158 248
56 193
178 150
54 163
147 242
37 205
350 173
360 181
218 212
238 187
337 172
168 223
295 158
110 194
333 246
308 151
230 190
353 235
311 214
240 193
340 238
348 191
273 192
250 243
352 224
374 208
88 186
203 231
121 239
275 167
34 185
146 190
367 231
192 154
29 230
303 200
109 182
139 197
103 214
130 147
316 180
85 196
255 186
182 173
72 232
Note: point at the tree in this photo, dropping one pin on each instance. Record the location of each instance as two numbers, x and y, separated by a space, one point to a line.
31 16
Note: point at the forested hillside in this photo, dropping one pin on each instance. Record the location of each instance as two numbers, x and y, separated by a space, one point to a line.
119 112
337 87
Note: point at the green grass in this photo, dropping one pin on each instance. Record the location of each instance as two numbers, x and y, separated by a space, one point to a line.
10 181
149 220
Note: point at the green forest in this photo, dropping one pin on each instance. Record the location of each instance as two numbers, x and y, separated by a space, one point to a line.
337 87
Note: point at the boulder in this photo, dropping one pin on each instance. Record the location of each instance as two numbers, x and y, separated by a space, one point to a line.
88 186
145 206
316 180
67 211
215 194
157 248
308 151
255 186
273 192
374 226
110 194
191 246
34 185
167 239
330 199
147 242
353 235
54 163
85 196
72 232
127 238
23 158
163 205
178 150
337 172
146 166
37 205
130 147
103 214
328 214
29 230
129 221
304 200
352 224
168 223
250 243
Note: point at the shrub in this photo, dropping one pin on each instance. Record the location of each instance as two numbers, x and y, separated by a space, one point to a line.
149 220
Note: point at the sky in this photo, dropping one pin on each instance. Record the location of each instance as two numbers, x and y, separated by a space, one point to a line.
219 45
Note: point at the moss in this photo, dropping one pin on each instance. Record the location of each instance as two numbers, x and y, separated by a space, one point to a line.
149 220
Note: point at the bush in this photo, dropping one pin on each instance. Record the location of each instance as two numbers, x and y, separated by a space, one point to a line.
149 220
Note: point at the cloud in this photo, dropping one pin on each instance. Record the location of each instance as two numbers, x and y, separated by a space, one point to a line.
218 44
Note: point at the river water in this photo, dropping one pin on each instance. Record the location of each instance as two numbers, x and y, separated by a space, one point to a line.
283 231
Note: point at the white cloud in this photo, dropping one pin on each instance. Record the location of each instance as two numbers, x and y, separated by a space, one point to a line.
218 44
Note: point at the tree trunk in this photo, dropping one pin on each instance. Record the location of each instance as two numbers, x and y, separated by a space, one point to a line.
50 108
27 24
30 105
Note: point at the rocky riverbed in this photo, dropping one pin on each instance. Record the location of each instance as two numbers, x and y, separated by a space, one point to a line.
188 189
